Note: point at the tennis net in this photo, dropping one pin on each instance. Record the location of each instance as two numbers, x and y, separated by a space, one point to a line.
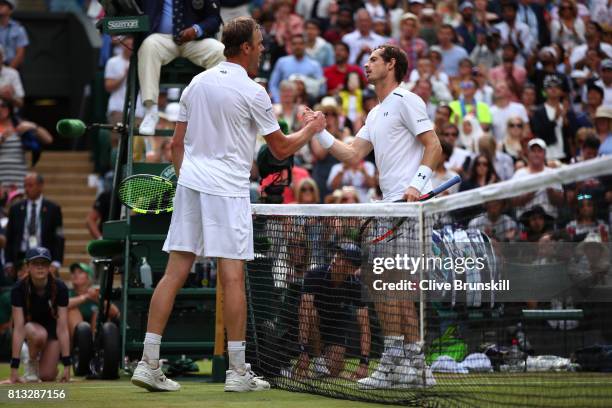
498 296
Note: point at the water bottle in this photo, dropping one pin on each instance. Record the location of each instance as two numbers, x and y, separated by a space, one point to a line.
146 277
515 357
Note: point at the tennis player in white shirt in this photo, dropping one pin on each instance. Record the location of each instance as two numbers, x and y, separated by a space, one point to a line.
406 150
222 111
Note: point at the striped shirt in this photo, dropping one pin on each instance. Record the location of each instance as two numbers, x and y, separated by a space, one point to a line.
12 162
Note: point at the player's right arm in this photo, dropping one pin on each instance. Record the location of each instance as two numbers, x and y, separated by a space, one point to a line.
178 146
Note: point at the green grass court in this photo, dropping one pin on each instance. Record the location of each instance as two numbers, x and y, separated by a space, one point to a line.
474 390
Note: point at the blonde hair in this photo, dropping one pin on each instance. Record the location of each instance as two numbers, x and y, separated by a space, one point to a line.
307 182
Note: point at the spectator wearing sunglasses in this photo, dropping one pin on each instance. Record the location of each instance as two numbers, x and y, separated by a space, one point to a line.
467 103
511 143
586 221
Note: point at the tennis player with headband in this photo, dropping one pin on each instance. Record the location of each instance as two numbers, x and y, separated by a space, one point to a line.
222 111
406 149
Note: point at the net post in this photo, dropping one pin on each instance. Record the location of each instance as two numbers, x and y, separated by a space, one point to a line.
421 293
219 363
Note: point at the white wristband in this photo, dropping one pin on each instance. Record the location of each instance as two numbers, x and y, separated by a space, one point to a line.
325 138
421 178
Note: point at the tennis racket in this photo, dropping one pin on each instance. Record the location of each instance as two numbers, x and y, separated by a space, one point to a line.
390 235
147 194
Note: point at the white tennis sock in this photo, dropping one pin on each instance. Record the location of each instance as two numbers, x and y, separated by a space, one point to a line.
150 354
235 350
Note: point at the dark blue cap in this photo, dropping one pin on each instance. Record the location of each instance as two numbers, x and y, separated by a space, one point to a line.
38 253
351 252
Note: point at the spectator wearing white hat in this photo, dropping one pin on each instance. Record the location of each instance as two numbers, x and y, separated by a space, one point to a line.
605 81
548 198
603 127
13 36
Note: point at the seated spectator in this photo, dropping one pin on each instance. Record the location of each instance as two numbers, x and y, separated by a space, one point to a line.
442 119
497 225
307 192
11 88
466 31
547 67
340 23
511 142
594 99
591 264
323 161
605 81
528 99
502 162
547 198
487 52
34 222
115 82
514 31
460 157
409 41
15 136
425 69
363 40
504 109
536 223
441 174
178 29
316 47
481 173
470 132
468 104
586 221
40 317
83 299
567 30
554 122
297 63
509 71
587 145
351 98
100 211
349 195
361 176
312 9
287 109
336 74
465 72
423 88
603 127
286 25
485 92
451 53
14 38
429 25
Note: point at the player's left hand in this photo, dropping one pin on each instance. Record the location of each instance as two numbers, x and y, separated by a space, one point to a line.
361 372
186 35
412 194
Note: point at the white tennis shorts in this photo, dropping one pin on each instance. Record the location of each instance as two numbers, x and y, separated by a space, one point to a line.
210 225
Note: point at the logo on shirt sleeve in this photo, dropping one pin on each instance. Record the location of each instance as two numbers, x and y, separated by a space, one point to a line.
422 120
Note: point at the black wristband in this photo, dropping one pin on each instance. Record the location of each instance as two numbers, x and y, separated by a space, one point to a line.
364 360
67 361
15 362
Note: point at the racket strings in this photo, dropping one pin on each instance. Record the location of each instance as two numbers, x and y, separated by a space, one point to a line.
147 194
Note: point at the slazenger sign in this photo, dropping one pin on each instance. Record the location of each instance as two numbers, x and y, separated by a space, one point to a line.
123 24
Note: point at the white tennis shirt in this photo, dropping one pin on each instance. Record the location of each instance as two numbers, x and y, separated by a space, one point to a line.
392 127
224 110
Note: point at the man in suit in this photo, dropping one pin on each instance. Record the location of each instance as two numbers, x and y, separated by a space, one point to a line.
34 222
554 121
179 28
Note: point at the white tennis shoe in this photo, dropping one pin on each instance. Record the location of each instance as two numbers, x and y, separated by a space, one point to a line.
153 379
30 371
320 367
382 377
235 382
149 122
